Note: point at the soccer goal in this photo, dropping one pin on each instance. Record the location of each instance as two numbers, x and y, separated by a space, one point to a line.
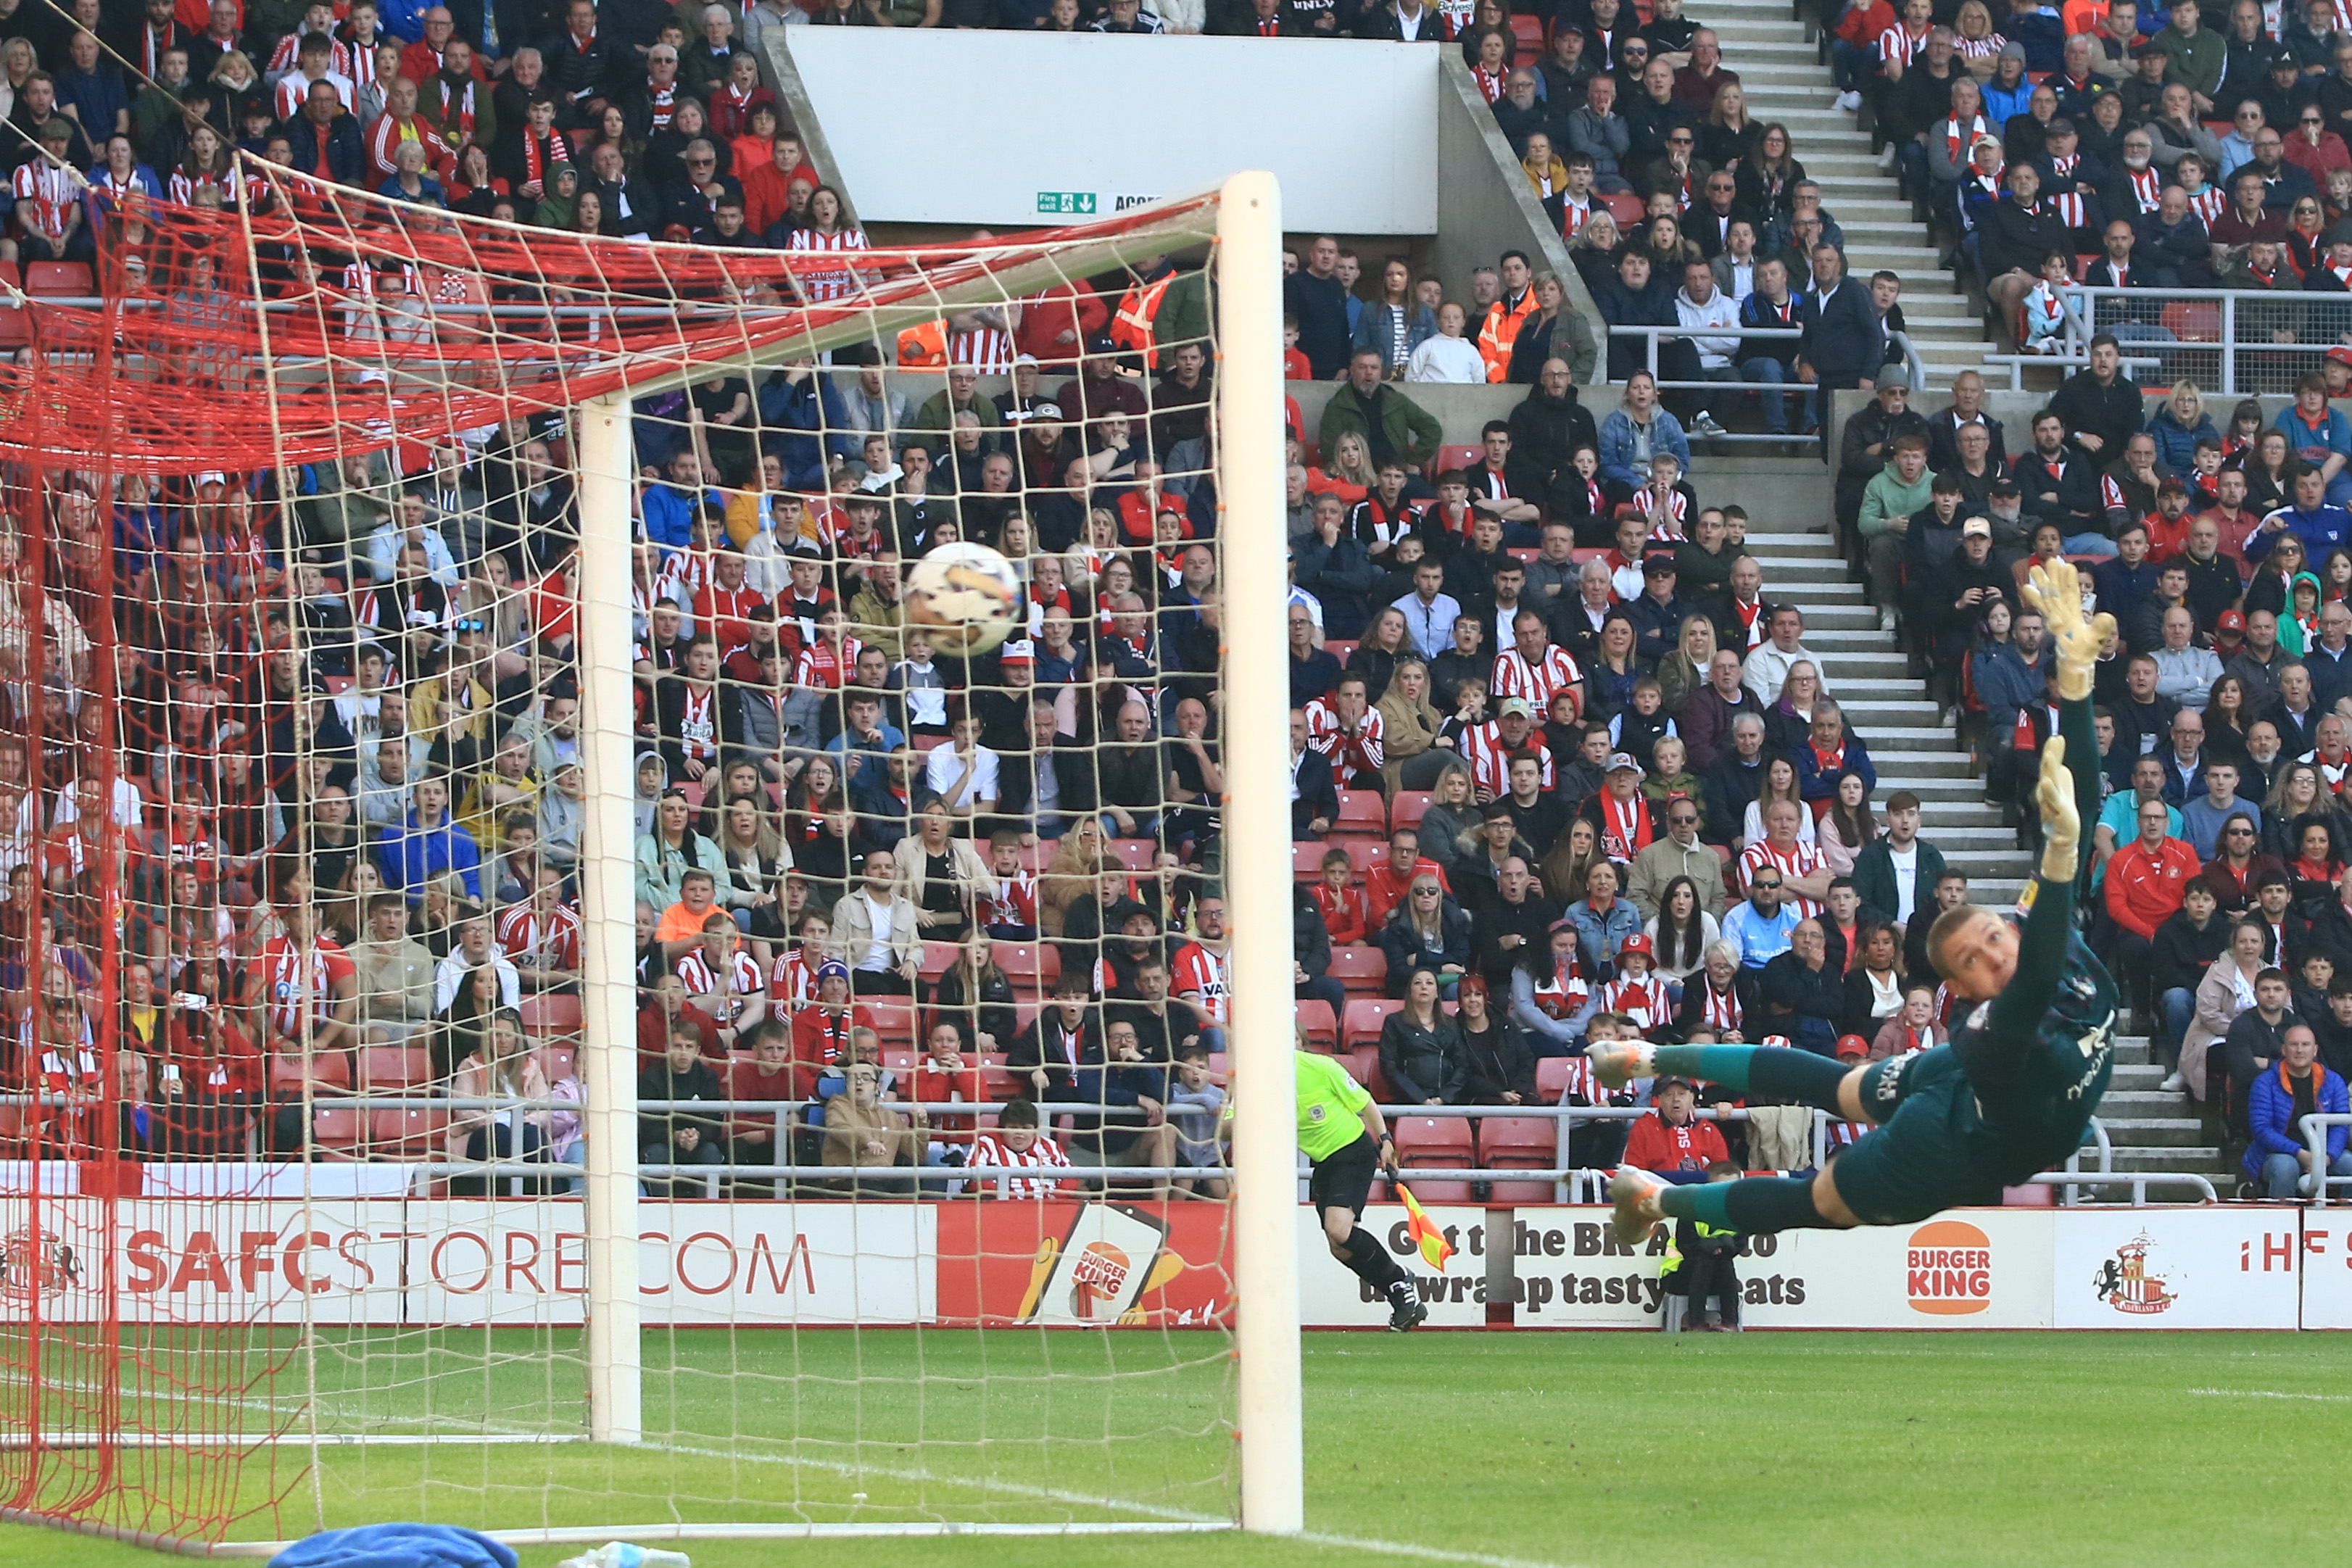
552 1001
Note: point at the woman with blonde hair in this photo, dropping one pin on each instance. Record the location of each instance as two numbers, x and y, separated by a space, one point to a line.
1976 44
1683 670
1346 471
1728 139
1409 727
1070 875
2180 425
1594 248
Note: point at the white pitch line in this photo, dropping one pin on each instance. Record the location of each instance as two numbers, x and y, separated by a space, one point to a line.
1428 1553
2273 1393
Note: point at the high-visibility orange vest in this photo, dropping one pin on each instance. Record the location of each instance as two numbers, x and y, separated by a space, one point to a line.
1131 328
1500 329
924 348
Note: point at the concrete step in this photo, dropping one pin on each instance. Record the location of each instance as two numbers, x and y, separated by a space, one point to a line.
2144 1132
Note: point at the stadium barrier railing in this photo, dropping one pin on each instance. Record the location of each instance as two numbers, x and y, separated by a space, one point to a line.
2316 1181
2230 342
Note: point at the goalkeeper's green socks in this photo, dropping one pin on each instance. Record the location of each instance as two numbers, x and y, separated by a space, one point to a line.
1750 1205
1779 1072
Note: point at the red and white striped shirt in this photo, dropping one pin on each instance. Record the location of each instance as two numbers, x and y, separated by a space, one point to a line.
288 986
1513 676
2208 205
541 941
825 280
2146 187
1644 1000
1488 756
1010 901
1718 1010
1355 758
742 982
1045 1153
44 194
1196 970
1899 46
281 60
793 980
1799 859
825 667
987 350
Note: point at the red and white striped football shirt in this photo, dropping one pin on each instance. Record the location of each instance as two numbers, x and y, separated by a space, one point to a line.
988 1149
1644 1000
1488 756
1799 859
1196 970
1355 759
819 280
742 981
541 941
1558 671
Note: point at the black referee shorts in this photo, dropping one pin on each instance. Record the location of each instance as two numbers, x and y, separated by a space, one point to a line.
1345 1180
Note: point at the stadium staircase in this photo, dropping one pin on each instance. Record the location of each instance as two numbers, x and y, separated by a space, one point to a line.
1789 504
1781 72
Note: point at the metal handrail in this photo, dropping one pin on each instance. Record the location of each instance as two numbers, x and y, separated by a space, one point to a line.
2316 1180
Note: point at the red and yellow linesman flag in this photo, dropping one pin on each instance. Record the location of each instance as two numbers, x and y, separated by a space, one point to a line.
1423 1232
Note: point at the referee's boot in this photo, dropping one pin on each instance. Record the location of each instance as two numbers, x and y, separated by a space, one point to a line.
1618 1063
1406 1309
1635 1192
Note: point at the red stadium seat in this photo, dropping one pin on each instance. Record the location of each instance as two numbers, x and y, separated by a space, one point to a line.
1460 455
1340 648
2193 321
1361 812
550 1014
1624 206
558 1061
1365 1015
16 327
1551 1078
1322 1029
1408 807
1135 854
1520 1144
1529 32
1442 1142
894 1021
1366 855
1306 860
335 1131
1032 967
1361 971
394 1067
408 1134
329 1067
1363 1064
938 958
53 280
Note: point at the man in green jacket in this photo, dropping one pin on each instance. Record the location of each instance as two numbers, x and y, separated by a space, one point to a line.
2193 57
1880 867
1894 493
1392 425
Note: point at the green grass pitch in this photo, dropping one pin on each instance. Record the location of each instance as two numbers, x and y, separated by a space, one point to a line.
1567 1448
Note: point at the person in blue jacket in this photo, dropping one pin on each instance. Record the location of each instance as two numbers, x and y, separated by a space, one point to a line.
2321 526
2279 1159
2320 438
429 843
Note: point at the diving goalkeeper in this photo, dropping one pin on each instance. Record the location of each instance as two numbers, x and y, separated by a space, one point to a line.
2013 1092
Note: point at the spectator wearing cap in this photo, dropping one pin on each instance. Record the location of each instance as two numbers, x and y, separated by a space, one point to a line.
1671 1141
1659 613
1625 819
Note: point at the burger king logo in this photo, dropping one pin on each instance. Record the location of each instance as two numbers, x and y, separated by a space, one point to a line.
1099 1275
1949 1269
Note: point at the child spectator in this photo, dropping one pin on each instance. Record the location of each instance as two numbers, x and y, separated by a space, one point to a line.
1018 1141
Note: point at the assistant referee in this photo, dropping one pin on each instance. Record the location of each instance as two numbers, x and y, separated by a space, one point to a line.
1347 1142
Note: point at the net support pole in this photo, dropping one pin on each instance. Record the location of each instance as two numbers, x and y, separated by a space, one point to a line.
1257 849
608 923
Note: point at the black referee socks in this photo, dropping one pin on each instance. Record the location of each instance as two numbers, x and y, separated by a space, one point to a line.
1370 1261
